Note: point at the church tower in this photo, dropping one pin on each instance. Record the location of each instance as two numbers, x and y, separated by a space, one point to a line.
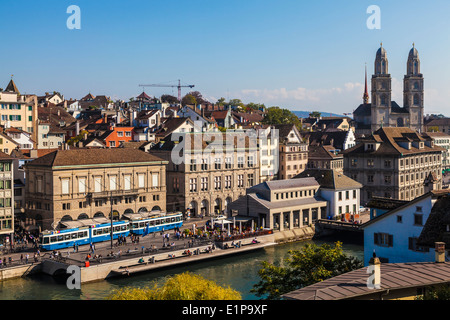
413 91
381 91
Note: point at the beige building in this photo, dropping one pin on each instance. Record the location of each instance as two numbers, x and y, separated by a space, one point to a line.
19 111
67 185
293 151
209 175
6 197
395 163
282 204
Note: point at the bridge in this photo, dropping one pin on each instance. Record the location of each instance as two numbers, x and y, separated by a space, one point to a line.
323 224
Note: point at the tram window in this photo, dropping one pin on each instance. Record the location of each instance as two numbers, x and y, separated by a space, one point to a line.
74 235
158 222
46 240
99 232
80 234
141 225
53 239
178 218
168 220
116 229
123 227
172 219
152 222
94 233
67 237
135 225
128 227
60 238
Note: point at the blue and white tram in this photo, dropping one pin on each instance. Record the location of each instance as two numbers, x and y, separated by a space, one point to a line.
156 223
53 240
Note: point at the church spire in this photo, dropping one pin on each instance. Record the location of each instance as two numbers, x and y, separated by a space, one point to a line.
366 93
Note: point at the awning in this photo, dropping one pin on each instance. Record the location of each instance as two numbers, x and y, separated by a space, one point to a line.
223 221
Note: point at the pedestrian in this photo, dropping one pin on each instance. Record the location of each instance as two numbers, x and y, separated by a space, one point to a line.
21 258
26 258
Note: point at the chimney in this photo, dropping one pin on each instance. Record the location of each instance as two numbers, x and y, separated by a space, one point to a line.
439 249
77 128
374 280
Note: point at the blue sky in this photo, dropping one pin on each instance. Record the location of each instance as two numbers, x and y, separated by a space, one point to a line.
295 54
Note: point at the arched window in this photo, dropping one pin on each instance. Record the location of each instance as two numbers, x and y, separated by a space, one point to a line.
416 85
416 100
383 100
83 216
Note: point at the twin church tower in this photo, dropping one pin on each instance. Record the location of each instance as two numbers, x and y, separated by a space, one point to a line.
382 111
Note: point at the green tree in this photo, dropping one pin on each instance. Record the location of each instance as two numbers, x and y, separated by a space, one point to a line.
440 292
315 114
302 268
185 286
188 100
276 115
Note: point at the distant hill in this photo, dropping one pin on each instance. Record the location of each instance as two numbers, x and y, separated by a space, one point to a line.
305 114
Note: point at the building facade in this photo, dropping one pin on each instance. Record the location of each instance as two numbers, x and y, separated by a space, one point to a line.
67 185
282 204
205 173
395 163
19 111
6 198
293 151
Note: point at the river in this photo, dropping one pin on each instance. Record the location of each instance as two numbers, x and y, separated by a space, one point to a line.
239 272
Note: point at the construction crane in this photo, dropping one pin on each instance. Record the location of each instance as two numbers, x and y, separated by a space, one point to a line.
179 86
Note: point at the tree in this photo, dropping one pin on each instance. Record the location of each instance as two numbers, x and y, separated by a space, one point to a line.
276 115
439 292
255 106
188 100
315 114
198 97
169 99
302 268
185 286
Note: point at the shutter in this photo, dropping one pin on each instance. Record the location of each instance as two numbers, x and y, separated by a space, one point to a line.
141 179
65 186
391 240
127 182
155 180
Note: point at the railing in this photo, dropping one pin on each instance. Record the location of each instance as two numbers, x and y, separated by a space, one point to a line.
244 235
353 225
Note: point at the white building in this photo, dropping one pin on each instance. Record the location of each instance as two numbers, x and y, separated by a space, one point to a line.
442 140
342 193
393 235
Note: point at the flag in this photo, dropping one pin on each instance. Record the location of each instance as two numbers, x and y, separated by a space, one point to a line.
146 230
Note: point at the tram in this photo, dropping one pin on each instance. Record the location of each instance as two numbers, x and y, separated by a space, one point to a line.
93 233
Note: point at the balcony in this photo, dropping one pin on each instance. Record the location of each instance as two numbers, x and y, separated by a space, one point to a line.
113 193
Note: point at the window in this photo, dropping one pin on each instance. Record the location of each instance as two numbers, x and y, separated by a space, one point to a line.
399 219
370 162
204 164
412 245
64 186
383 239
193 166
240 181
112 183
387 179
250 180
217 163
370 178
141 180
82 185
347 195
155 180
228 163
176 185
240 162
204 184
127 182
354 194
340 195
98 184
120 133
193 185
227 182
217 183
418 219
250 161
